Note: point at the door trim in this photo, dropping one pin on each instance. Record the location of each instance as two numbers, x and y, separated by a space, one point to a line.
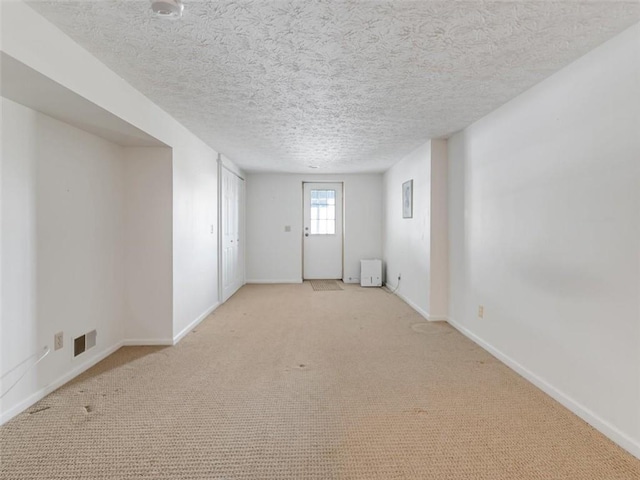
343 223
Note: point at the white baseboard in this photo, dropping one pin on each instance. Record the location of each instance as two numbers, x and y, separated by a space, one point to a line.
194 324
143 342
424 313
409 302
279 280
43 392
437 318
622 439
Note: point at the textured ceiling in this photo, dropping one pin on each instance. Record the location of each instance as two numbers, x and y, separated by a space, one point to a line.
350 86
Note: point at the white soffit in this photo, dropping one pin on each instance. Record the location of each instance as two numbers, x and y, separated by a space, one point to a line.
350 86
24 85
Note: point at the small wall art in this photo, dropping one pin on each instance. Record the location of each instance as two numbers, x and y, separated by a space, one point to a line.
407 199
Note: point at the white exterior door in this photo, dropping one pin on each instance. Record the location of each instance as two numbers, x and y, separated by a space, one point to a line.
231 229
322 240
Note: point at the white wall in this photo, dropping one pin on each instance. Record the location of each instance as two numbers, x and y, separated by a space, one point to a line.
63 194
29 38
545 233
275 201
148 246
416 248
407 240
195 235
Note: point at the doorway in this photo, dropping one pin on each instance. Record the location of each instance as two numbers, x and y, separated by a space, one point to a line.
322 242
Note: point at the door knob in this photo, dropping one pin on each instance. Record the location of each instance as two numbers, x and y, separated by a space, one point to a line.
306 234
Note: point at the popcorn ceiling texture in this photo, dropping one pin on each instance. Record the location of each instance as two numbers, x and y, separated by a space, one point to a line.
350 86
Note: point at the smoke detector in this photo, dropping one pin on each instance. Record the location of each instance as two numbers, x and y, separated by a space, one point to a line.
167 8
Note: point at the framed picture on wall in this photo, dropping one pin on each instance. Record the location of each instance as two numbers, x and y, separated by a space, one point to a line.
407 199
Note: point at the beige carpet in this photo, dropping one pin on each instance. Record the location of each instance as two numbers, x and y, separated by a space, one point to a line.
283 382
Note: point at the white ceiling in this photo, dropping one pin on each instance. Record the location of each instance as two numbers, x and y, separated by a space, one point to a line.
350 86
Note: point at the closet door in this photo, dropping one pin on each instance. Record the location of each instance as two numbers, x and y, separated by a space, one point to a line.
232 248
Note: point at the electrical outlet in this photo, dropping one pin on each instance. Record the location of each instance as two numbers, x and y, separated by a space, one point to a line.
58 341
481 311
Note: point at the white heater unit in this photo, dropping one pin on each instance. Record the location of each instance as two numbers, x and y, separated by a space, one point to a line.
371 272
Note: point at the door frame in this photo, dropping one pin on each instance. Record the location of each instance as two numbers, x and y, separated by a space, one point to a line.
241 228
343 223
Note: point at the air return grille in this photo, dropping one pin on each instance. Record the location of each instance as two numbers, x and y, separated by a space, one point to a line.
84 342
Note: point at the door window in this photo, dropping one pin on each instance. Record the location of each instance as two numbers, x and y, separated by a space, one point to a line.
323 212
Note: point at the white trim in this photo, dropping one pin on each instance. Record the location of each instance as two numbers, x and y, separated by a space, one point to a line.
622 439
232 167
195 323
44 391
139 342
280 280
228 169
424 313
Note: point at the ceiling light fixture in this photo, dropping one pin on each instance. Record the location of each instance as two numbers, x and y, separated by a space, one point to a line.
171 9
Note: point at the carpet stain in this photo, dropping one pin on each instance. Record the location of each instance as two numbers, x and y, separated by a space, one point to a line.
41 409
